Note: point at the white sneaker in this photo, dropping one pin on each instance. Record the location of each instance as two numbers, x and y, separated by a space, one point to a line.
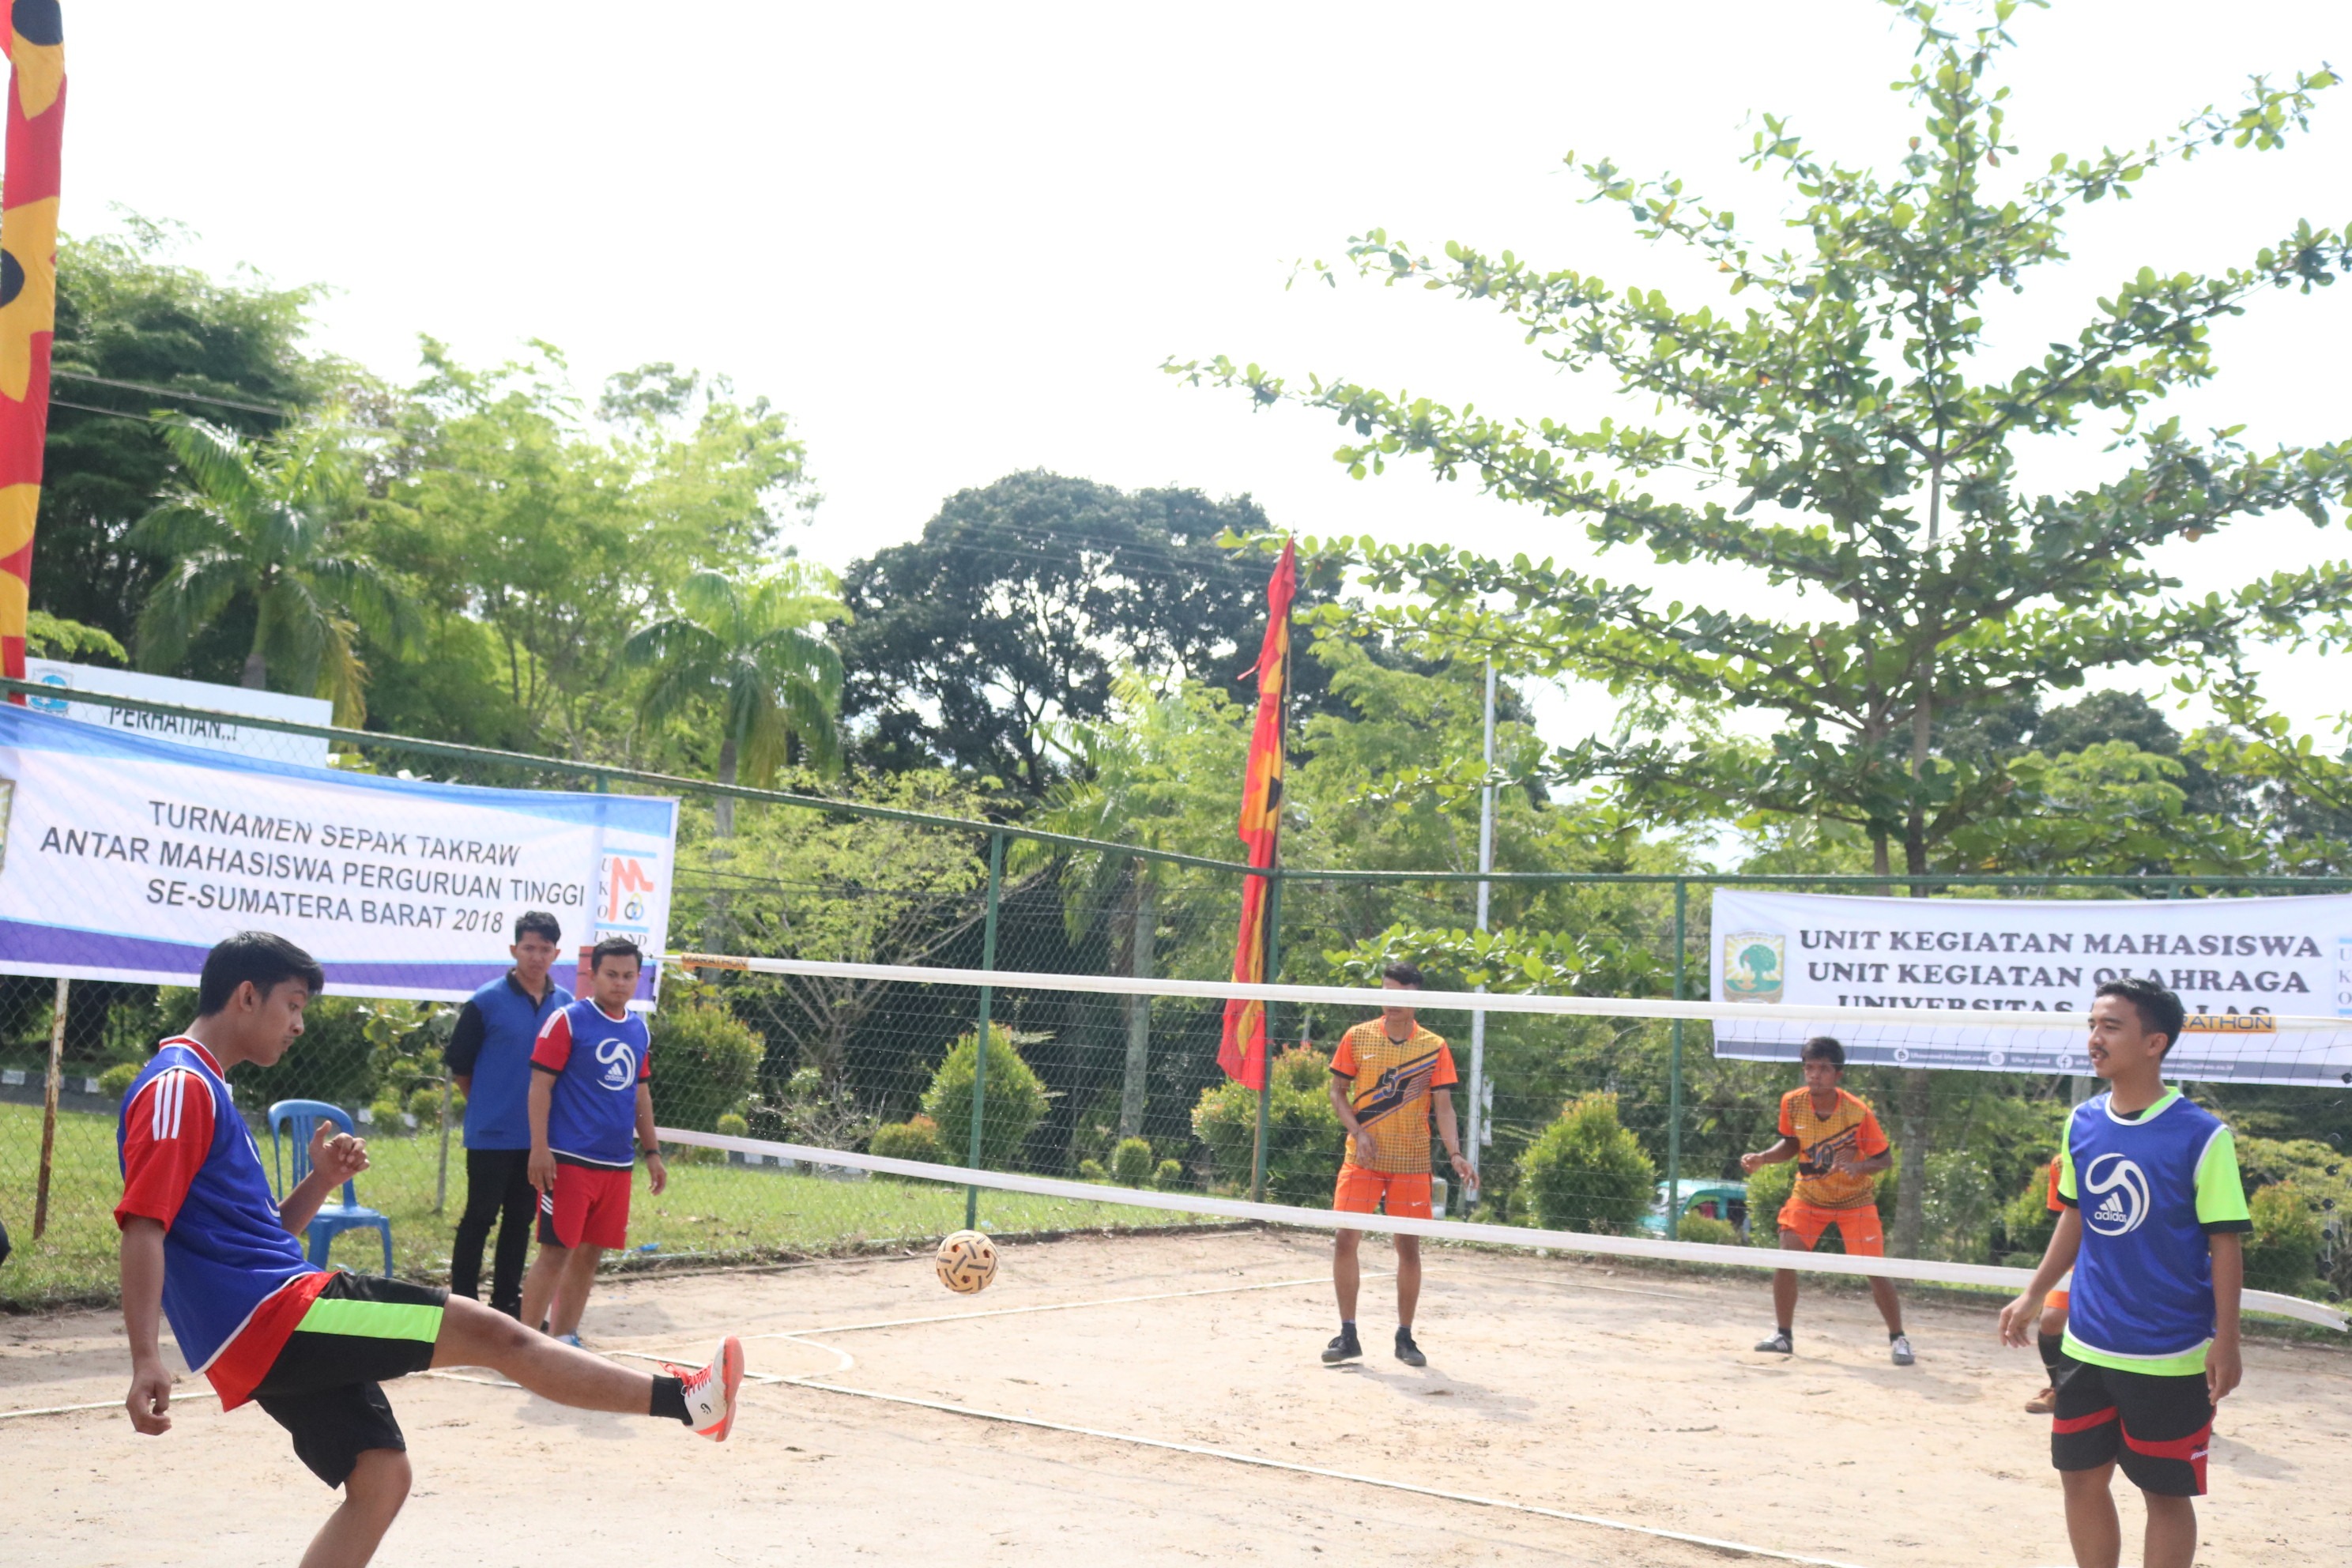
710 1391
1899 1347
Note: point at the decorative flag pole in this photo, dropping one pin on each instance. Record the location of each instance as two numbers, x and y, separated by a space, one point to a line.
1242 1052
28 298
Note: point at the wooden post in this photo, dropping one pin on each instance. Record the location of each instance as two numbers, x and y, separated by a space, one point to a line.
49 1107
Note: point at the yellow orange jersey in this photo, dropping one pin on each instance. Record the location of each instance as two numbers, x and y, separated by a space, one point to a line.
1849 1131
1388 1088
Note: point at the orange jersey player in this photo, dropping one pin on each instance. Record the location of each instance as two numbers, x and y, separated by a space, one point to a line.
1388 1074
1835 1140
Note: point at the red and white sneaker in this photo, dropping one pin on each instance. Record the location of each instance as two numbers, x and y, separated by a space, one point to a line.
710 1391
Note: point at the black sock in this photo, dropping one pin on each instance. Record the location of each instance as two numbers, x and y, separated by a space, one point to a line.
670 1399
2051 1353
1404 1331
1892 1335
1348 1327
1787 1332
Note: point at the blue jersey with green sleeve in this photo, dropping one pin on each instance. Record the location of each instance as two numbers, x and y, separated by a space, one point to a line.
2150 1189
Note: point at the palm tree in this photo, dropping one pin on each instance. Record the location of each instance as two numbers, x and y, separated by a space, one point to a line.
264 523
756 648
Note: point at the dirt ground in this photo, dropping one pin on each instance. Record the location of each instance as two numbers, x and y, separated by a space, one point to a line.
1627 1396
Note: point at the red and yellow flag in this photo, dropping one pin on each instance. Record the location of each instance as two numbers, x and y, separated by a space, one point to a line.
1242 1053
35 41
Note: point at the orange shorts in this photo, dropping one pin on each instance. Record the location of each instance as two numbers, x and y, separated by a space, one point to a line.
1858 1225
1399 1194
2057 1299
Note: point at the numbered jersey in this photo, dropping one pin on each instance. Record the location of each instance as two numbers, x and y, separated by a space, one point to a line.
597 1061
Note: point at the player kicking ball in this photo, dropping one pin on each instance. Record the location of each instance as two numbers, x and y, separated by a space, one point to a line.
2152 1227
1835 1140
204 1240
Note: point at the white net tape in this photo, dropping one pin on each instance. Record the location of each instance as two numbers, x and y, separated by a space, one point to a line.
2237 1048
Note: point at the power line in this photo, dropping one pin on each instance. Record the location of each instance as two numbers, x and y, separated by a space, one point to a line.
173 392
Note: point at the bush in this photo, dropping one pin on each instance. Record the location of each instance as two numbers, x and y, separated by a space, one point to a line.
1096 1132
1713 1232
386 1113
1960 1206
2283 1252
1303 1143
1091 1171
1768 1189
1587 1172
1131 1163
917 1138
707 1062
115 1080
2027 1220
1170 1175
1015 1104
425 1104
732 1125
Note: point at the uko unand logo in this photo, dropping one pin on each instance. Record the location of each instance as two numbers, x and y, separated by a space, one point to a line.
2115 1195
620 1062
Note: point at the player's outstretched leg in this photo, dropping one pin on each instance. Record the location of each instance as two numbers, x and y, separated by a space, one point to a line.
475 1335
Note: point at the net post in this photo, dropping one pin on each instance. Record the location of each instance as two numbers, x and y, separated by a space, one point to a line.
49 1107
1675 1072
987 995
1266 1073
441 1175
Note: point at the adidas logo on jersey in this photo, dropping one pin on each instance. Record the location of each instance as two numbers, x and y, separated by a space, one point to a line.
2111 1208
2122 1188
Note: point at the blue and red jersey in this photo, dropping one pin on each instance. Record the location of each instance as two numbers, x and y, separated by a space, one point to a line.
235 1282
597 1062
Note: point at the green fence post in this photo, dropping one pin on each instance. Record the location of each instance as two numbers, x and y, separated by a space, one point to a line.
987 995
1272 973
1675 1075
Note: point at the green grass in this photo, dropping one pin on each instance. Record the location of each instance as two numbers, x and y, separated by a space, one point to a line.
708 1209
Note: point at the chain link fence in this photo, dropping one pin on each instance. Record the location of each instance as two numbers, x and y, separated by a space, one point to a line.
1123 1089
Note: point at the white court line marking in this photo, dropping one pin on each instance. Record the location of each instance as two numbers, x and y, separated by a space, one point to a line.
1262 1462
1059 1305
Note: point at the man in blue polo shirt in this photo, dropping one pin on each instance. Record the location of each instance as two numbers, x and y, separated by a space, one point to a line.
2152 1226
489 1058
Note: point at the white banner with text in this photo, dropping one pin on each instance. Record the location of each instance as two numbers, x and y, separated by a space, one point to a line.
2248 970
124 857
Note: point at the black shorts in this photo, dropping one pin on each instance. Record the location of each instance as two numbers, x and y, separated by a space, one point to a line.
323 1386
2157 1428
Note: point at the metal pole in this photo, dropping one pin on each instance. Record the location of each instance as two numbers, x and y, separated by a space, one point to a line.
1675 1075
441 1178
49 1107
1486 894
987 995
1272 973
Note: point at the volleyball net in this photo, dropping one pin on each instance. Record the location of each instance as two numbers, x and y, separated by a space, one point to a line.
1570 1171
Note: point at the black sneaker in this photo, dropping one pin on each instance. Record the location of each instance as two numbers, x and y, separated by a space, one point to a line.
1408 1351
1343 1347
1779 1344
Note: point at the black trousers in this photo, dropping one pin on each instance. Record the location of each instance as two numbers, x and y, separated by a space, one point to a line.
498 1187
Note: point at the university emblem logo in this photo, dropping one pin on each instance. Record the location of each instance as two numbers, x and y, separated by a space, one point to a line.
1755 966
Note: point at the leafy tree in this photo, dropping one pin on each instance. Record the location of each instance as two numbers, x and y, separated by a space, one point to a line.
137 331
264 524
1587 1172
754 649
559 528
1855 399
1018 604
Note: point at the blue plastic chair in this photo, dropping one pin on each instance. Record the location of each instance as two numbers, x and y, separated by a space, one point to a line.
300 1118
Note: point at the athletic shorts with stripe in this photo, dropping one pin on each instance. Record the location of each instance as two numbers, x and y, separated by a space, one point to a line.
324 1388
2157 1428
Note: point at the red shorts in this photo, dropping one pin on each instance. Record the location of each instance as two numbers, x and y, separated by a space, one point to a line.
1400 1194
589 1207
1858 1225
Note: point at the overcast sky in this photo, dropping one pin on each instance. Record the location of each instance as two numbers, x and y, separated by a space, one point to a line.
957 241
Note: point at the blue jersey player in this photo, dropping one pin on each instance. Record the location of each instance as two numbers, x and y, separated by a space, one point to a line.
2153 1219
208 1246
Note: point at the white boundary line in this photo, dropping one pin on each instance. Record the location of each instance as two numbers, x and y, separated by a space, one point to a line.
1444 1001
1446 1229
